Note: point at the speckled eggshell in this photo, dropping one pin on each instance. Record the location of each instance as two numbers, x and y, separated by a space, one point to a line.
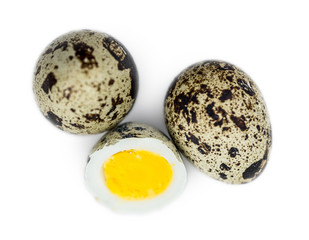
85 82
217 117
134 130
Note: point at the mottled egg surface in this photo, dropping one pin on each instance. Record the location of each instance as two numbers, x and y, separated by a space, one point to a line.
85 82
217 117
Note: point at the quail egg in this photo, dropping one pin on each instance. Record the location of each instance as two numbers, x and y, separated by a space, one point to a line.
217 117
135 168
85 82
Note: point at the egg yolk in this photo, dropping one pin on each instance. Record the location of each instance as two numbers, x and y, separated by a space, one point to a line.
137 174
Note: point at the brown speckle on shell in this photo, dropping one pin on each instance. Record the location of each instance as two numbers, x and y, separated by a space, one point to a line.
134 130
49 82
84 86
217 117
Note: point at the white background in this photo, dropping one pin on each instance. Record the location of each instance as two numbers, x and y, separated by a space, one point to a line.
42 189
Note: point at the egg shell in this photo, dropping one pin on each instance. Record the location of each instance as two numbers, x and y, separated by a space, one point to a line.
134 130
126 137
217 117
85 82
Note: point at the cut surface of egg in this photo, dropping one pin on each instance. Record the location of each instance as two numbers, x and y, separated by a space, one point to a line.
135 168
136 174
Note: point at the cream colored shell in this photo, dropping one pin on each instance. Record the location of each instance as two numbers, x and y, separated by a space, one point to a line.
85 82
217 117
134 130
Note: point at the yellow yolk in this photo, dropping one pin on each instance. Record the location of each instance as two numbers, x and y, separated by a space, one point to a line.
137 174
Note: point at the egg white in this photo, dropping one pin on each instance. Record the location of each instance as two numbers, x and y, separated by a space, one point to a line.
97 186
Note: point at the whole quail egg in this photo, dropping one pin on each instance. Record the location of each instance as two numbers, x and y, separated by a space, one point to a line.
85 82
135 168
217 117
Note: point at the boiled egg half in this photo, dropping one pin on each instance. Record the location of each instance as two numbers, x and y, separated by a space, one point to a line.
135 168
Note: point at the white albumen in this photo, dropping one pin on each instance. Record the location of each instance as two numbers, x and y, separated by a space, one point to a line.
96 184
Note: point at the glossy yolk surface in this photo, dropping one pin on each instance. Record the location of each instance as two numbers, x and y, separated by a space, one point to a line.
137 174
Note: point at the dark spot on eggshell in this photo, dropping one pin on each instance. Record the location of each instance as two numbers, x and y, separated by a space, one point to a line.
115 115
201 150
48 51
117 51
204 148
111 82
229 78
223 176
239 122
265 156
181 102
49 82
90 32
245 86
252 170
233 152
211 113
219 123
93 117
221 66
38 70
226 94
84 53
67 92
140 128
224 167
134 84
79 126
129 135
206 90
223 119
63 46
115 102
125 131
54 118
125 61
193 116
122 128
190 137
